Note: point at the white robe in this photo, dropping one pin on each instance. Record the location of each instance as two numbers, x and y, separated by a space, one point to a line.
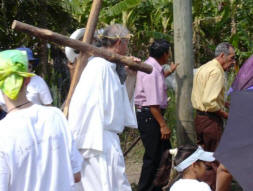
99 110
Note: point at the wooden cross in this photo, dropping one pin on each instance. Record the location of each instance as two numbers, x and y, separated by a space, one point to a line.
86 50
83 57
82 46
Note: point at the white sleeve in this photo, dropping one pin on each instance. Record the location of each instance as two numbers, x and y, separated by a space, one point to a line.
76 158
44 93
4 173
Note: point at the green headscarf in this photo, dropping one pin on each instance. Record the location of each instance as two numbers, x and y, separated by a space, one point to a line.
13 69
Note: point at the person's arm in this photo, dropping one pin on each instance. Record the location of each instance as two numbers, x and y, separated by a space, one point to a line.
156 112
222 114
173 67
4 172
213 88
76 162
77 177
227 104
223 179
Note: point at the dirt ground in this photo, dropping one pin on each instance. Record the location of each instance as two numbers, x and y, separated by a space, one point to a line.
133 163
133 170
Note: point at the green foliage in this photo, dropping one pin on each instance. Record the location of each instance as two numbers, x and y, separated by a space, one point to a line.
79 9
48 14
122 6
170 116
213 22
222 20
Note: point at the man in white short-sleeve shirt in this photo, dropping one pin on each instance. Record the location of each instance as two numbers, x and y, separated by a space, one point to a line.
37 90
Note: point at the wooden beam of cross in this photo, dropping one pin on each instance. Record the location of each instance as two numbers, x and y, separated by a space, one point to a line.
82 60
81 46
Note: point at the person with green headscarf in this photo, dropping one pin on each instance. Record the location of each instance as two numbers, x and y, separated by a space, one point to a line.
37 151
37 90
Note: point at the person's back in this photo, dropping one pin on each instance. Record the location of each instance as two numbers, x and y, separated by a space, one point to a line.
35 151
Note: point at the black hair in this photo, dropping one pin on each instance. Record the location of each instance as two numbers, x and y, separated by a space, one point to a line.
158 48
163 173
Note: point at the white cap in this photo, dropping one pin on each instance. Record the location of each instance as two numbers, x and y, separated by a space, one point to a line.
70 54
199 154
77 35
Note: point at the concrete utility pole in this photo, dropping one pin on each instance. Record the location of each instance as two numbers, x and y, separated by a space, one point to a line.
182 18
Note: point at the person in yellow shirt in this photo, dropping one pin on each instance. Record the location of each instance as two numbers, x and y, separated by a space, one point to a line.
208 96
208 99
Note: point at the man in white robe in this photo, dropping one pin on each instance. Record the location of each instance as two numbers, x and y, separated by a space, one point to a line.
99 111
37 152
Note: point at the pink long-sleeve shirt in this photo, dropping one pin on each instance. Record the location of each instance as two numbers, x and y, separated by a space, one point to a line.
150 88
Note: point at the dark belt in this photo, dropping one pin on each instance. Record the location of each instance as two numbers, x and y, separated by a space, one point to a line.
206 113
147 109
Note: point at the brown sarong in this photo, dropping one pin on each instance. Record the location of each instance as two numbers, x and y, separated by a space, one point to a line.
209 130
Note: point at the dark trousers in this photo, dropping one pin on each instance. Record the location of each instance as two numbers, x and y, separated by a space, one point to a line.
154 147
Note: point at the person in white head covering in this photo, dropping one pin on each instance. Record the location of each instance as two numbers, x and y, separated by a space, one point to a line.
73 54
190 163
99 110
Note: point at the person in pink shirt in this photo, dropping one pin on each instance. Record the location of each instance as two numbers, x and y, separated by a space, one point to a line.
151 102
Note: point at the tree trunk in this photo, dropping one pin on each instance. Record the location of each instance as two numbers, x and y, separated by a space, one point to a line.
182 16
43 50
233 22
43 55
233 27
